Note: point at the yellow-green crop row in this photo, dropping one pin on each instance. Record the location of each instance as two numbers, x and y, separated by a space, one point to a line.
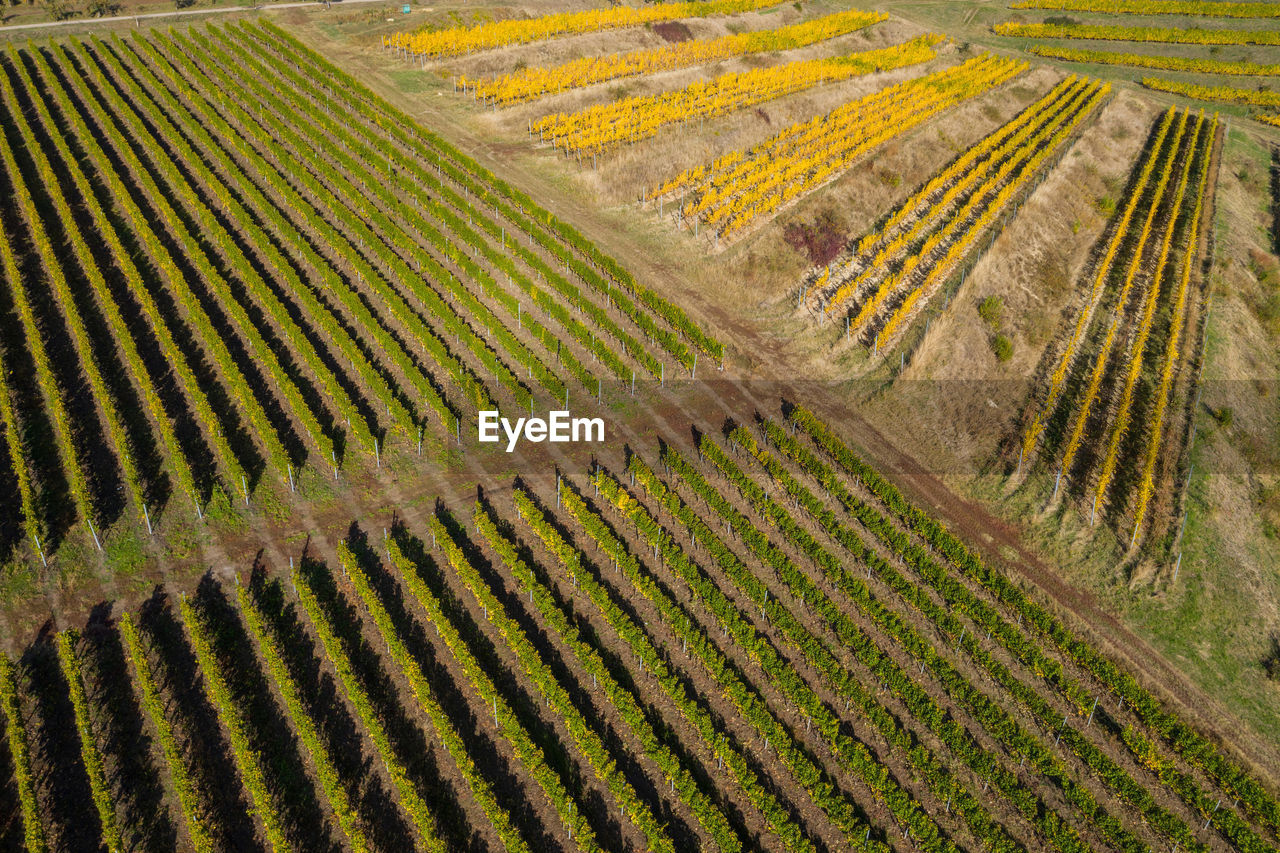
1103 32
456 41
1188 64
1210 8
1146 485
1254 97
1100 361
605 126
1059 375
1150 300
531 83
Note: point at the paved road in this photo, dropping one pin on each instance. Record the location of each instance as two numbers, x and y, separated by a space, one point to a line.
118 18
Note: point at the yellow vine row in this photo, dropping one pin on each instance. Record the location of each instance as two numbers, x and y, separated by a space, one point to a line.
956 178
1146 485
1059 375
1100 361
1189 64
1017 150
532 83
736 189
1214 93
456 41
1150 300
605 126
1030 158
1152 34
734 164
1211 8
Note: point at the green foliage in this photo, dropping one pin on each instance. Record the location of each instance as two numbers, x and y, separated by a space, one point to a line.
1122 686
89 752
991 310
1002 347
20 754
199 832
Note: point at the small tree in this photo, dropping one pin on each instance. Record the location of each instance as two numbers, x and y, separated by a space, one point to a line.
61 10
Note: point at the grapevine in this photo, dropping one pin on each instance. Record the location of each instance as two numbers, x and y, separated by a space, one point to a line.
199 833
1187 64
1216 8
531 83
1102 32
601 128
20 753
455 41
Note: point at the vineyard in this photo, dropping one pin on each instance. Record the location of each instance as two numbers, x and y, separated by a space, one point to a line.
1109 419
890 275
1188 65
269 310
753 642
1229 94
1213 8
911 366
730 193
456 41
604 127
1107 32
532 83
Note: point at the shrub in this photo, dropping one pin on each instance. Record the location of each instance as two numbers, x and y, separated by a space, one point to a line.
1002 347
990 310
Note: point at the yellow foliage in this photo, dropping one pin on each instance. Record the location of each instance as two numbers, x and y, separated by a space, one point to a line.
456 41
742 186
1155 34
535 82
606 126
